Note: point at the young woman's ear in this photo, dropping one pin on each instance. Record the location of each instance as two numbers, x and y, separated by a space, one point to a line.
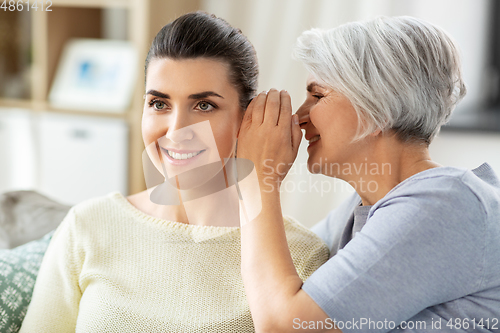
242 120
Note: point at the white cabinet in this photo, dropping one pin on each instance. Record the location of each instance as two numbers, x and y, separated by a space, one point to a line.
17 152
81 157
69 158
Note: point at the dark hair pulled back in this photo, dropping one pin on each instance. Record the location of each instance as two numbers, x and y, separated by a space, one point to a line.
200 34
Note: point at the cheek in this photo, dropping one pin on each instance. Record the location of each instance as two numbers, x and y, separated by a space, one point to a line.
320 120
225 134
150 130
328 124
146 131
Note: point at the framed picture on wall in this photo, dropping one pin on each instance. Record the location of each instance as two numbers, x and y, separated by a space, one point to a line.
95 75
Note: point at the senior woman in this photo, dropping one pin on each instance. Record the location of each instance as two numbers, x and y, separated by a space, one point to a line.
420 250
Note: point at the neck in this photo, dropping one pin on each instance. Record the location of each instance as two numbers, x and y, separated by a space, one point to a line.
386 162
212 204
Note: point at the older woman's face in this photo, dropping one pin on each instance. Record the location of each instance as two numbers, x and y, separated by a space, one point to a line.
330 123
191 114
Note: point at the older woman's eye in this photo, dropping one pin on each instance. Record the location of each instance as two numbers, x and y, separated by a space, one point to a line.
318 96
205 106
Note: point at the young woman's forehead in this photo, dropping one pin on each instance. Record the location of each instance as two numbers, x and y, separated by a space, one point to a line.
198 73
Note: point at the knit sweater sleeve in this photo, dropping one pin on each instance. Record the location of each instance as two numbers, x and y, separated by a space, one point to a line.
56 297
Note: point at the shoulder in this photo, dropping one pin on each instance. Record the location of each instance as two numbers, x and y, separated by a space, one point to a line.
303 241
470 195
96 213
444 188
94 222
98 206
440 204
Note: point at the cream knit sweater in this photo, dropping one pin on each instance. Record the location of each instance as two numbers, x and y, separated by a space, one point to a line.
112 268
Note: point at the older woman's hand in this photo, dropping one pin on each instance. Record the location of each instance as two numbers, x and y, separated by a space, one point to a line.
270 136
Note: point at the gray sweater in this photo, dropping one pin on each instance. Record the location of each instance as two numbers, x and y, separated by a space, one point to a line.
426 257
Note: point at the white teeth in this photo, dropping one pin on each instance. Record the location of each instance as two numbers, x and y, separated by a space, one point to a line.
314 139
177 156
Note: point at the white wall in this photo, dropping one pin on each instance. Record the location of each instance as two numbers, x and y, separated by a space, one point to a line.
467 22
467 149
273 26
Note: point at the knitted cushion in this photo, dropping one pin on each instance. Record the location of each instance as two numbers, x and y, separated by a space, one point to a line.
18 271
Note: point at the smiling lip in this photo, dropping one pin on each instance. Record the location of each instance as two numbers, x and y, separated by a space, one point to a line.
181 162
310 136
313 140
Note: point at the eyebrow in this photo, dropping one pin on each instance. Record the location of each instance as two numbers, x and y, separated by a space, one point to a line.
157 94
311 85
203 94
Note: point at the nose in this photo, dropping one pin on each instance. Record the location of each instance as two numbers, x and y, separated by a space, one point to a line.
303 113
179 129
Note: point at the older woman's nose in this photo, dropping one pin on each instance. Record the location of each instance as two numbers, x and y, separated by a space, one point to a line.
303 113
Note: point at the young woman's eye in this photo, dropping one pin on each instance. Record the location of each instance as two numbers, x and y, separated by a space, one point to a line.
205 106
158 105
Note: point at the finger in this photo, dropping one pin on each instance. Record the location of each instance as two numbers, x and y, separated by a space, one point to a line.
303 113
296 134
285 116
272 111
257 108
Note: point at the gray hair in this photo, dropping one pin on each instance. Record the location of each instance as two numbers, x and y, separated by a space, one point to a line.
400 73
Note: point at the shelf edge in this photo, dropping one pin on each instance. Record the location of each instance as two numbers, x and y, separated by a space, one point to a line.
92 3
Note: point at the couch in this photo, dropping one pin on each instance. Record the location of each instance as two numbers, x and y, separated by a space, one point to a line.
27 222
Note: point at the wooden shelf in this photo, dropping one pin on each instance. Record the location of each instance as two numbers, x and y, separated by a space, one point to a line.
83 19
93 3
15 103
46 107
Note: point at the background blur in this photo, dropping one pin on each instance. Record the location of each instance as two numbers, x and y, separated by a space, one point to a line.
72 153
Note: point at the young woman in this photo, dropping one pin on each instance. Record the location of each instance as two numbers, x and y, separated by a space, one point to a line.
165 260
421 245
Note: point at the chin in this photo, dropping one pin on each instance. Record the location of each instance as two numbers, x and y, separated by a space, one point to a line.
208 176
314 167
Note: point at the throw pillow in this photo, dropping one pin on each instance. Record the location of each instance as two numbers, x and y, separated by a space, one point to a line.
18 270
